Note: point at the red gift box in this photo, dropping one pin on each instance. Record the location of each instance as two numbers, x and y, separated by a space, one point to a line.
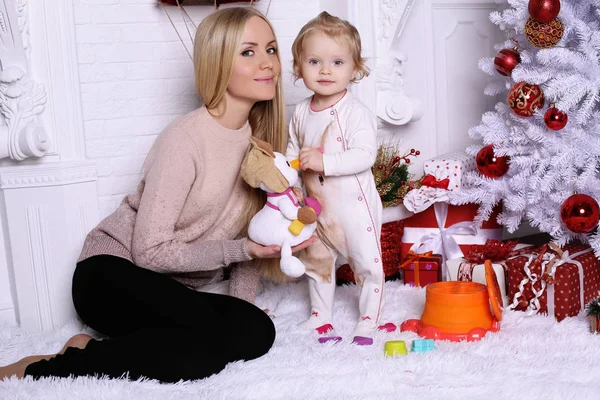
558 282
422 229
422 269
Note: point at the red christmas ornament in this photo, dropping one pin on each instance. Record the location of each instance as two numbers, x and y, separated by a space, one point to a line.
544 34
555 119
580 213
524 98
506 60
544 10
490 165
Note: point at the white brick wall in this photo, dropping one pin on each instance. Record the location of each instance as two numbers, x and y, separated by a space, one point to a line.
136 77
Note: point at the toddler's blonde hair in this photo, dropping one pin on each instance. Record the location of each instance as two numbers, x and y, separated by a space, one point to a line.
336 28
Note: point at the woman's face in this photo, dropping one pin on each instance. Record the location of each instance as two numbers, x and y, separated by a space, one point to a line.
256 67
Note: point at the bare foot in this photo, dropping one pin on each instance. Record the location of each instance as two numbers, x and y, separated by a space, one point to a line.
80 341
18 368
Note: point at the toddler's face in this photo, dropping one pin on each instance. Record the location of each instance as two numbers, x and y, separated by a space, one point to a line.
326 66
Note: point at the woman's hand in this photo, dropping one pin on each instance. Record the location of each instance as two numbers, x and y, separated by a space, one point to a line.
298 193
256 250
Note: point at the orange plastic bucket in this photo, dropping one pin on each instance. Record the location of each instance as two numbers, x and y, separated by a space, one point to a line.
457 307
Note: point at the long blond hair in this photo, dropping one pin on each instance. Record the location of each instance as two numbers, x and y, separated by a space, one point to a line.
216 45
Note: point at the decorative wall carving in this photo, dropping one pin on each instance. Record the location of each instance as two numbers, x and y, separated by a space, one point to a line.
394 106
21 99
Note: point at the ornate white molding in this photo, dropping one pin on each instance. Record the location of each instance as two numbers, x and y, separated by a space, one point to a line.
41 266
21 100
393 15
47 174
394 106
47 210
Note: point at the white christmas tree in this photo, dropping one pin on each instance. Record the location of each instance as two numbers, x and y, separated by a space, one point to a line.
537 163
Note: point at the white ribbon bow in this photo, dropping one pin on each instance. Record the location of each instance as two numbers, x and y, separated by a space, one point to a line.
442 242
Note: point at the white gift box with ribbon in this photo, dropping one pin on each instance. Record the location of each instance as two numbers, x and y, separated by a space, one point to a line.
443 174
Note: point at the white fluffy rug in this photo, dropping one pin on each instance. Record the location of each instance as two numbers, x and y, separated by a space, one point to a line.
533 358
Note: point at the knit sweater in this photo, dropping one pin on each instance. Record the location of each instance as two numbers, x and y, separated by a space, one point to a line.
184 220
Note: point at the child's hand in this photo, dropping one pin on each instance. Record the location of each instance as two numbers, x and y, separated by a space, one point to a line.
311 159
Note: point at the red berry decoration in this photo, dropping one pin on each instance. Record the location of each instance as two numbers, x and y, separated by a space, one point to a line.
555 119
580 213
490 165
544 10
544 34
525 98
506 60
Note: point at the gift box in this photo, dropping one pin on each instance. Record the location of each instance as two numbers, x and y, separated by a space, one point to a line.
444 229
470 268
548 279
442 175
391 241
422 269
423 226
447 230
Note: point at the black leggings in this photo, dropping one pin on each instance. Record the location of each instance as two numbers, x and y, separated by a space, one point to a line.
157 328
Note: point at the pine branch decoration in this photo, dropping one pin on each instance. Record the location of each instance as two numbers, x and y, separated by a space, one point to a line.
391 174
593 307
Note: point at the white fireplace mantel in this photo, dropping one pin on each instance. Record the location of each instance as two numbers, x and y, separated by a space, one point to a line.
49 203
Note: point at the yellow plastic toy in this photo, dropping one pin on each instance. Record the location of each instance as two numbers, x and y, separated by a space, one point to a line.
395 348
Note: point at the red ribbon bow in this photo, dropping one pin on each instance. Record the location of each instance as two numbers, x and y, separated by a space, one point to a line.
429 180
414 258
494 250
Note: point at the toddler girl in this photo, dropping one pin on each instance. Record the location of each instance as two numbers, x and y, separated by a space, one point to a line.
334 135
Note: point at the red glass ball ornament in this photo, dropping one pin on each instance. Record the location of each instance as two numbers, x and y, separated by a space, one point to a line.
544 34
506 60
524 98
555 119
544 10
490 165
580 213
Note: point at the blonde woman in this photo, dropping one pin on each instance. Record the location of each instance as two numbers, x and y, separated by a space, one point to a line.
137 274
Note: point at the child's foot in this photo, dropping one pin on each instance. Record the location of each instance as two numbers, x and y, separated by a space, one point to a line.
329 334
362 341
388 327
322 326
326 339
315 321
364 332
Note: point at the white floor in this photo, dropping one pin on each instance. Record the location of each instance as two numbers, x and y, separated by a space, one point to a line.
531 358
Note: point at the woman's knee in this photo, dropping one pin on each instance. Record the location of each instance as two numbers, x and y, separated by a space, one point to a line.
91 284
262 334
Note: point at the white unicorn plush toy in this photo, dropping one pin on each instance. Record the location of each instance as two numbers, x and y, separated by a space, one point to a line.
283 220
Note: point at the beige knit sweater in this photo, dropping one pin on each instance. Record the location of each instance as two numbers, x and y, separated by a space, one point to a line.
185 218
